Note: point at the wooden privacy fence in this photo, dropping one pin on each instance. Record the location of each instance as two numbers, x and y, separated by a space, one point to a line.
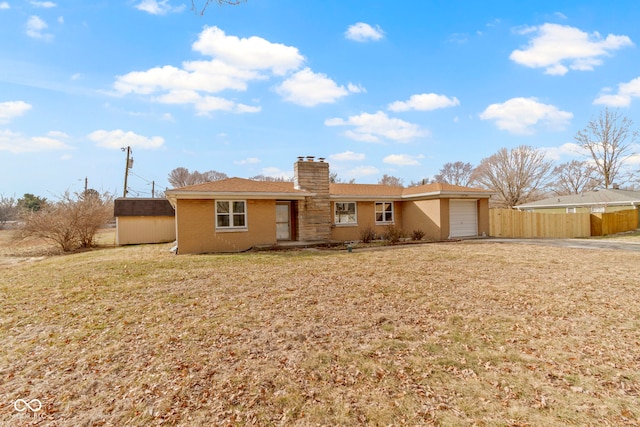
514 223
614 222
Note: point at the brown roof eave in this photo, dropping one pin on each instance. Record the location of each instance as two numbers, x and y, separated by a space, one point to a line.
448 195
194 195
364 197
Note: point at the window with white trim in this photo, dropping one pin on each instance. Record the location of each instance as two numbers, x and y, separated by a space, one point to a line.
571 210
231 214
345 213
598 209
384 212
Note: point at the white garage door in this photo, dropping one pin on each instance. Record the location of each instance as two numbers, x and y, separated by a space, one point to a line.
463 218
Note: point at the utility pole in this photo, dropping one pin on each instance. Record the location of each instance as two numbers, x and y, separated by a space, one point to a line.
86 184
153 189
126 169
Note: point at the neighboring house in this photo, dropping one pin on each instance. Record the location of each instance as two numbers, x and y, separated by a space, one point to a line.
599 201
143 220
237 214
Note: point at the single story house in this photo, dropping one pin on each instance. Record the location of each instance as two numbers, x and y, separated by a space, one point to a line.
598 201
237 214
144 220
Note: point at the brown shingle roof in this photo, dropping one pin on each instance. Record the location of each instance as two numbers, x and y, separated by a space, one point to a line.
142 207
440 187
240 185
365 190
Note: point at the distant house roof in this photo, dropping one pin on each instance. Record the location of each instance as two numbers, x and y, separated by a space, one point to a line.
142 207
246 188
607 197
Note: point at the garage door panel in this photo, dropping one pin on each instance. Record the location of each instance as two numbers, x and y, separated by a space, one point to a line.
463 218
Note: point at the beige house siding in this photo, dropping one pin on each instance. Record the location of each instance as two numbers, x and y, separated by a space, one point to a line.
425 215
366 213
484 221
195 222
132 230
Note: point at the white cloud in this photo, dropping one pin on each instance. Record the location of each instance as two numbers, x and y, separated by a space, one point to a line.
402 160
4 5
362 171
158 7
57 134
12 109
253 53
362 32
247 161
236 62
374 127
356 88
347 156
626 91
36 27
43 4
569 149
117 139
308 89
522 115
277 173
424 102
16 143
558 48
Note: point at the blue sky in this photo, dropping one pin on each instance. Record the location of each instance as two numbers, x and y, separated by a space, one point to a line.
376 87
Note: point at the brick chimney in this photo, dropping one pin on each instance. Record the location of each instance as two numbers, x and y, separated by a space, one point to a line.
314 213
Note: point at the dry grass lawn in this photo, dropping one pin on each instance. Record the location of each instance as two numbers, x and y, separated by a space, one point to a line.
438 334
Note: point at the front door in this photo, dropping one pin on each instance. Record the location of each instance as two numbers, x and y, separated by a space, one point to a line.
283 221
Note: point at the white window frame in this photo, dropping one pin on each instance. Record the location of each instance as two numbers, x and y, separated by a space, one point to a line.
337 217
598 209
384 212
571 210
231 216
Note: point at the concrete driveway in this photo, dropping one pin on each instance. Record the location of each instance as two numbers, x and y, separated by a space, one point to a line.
619 245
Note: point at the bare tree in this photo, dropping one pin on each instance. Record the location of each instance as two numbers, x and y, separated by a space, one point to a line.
575 177
518 175
335 179
271 178
181 177
608 139
8 209
457 173
200 9
71 222
390 180
424 181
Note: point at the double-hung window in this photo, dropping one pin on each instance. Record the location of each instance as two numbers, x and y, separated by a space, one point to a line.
345 213
231 214
384 212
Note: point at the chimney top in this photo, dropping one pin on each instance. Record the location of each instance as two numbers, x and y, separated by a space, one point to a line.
310 158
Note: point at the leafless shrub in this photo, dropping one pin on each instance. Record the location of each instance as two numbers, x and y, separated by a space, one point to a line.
72 222
367 234
417 235
393 234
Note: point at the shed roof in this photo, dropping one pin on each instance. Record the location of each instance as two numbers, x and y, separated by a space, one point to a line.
142 207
